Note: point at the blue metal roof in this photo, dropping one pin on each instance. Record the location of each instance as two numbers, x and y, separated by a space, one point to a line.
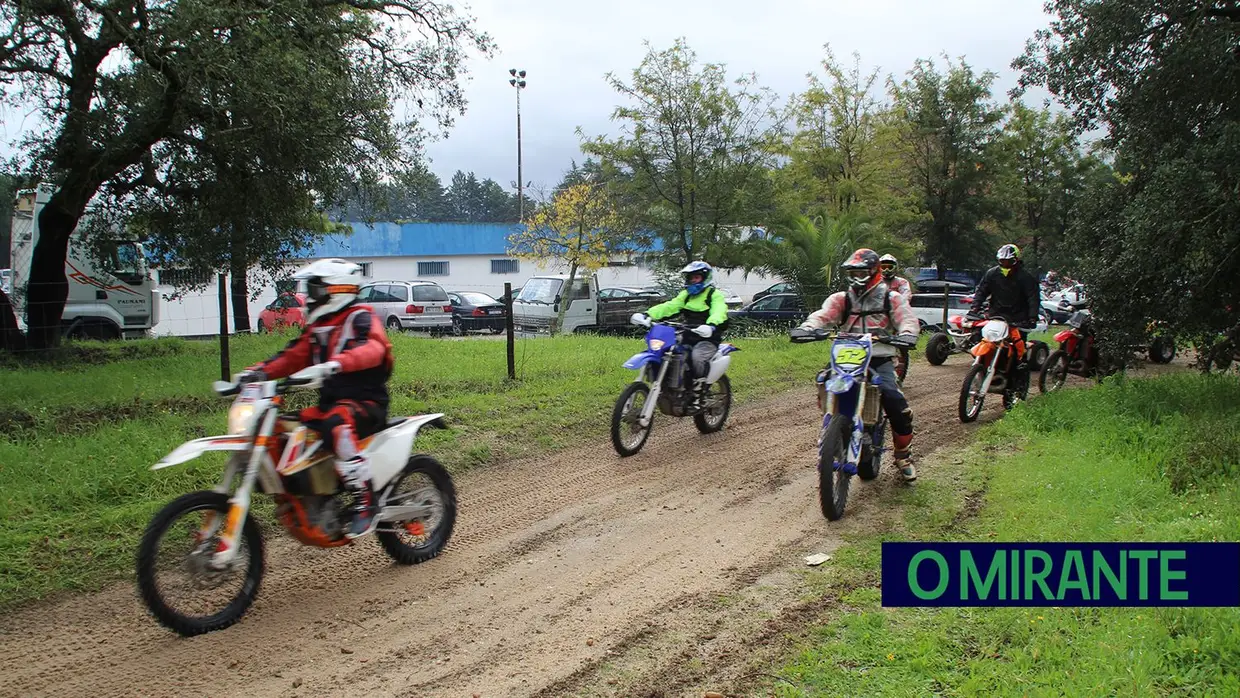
422 240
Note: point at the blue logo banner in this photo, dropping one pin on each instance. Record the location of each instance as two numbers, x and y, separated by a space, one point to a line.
1061 574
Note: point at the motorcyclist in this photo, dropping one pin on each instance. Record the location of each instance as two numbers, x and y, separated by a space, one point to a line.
345 342
1012 293
870 305
701 304
887 263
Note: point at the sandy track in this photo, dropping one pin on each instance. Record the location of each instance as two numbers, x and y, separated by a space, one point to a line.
577 574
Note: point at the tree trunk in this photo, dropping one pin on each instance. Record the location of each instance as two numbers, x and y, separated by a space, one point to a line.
11 338
48 289
566 298
240 286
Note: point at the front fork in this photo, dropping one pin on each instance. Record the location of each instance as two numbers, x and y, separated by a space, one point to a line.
239 503
643 420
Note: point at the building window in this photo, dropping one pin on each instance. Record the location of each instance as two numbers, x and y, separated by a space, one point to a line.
183 277
505 266
432 268
365 269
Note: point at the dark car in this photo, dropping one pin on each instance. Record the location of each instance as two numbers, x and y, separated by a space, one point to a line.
781 287
472 310
781 310
617 292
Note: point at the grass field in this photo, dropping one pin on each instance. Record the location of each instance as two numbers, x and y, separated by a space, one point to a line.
79 433
1138 460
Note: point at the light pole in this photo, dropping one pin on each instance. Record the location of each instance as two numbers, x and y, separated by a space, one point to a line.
518 82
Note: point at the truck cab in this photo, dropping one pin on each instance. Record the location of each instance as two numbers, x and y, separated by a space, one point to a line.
111 292
536 308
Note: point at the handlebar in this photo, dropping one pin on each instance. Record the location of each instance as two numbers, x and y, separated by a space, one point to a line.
230 388
800 336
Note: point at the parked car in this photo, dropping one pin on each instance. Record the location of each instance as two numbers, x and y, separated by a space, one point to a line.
409 305
931 286
503 298
928 307
733 300
617 292
6 281
781 287
287 310
782 310
472 310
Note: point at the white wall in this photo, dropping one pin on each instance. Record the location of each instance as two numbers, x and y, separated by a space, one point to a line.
197 313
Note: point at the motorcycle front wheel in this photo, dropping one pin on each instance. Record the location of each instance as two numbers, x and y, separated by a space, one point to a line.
971 395
174 559
1054 373
833 483
627 435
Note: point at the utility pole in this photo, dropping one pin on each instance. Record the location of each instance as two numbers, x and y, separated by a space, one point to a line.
518 82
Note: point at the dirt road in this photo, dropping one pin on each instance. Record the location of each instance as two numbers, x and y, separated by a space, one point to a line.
578 574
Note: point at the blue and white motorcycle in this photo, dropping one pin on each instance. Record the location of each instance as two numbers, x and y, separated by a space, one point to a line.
853 423
664 381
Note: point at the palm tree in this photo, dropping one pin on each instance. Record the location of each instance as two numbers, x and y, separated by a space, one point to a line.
808 252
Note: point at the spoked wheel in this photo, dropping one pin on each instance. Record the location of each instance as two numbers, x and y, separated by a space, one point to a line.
627 434
833 482
424 484
1054 372
393 324
715 407
176 579
458 330
971 395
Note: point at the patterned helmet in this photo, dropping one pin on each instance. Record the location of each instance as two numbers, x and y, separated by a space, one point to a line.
861 267
697 269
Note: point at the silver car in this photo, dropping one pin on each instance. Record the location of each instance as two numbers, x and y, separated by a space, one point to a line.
409 305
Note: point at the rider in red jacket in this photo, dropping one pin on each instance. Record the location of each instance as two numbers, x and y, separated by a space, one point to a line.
346 343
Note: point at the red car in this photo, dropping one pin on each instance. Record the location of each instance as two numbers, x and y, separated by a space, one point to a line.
287 310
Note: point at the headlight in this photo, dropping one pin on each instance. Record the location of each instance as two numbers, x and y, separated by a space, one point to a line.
240 416
656 344
994 331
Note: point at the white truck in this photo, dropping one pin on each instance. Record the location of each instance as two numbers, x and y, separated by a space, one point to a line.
111 292
536 308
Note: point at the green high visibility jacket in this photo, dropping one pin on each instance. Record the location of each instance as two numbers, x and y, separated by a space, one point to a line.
706 308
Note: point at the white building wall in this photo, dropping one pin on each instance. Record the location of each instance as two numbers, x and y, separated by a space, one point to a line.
197 313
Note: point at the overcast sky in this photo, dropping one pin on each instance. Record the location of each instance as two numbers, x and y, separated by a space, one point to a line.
568 46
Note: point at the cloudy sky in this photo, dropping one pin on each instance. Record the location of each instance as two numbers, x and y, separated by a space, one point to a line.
568 46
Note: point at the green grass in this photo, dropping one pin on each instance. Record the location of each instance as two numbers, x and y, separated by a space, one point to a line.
79 431
1137 460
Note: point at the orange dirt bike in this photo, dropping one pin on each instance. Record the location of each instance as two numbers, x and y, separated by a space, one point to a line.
993 369
207 547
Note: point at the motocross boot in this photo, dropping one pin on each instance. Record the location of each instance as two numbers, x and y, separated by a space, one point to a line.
363 509
904 463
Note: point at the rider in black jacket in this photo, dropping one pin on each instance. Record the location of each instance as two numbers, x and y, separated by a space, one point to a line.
1013 295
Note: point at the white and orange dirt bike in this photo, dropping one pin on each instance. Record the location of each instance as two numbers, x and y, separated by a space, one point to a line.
993 369
201 559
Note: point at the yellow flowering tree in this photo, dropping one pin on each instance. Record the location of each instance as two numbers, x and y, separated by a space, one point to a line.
577 228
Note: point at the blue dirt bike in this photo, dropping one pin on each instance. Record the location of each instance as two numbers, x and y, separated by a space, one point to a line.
853 423
664 381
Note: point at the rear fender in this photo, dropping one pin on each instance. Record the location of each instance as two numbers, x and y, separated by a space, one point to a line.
718 367
190 450
388 451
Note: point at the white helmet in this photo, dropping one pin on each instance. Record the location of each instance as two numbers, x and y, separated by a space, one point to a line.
330 285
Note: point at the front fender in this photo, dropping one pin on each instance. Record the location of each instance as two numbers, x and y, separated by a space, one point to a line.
982 348
637 361
192 449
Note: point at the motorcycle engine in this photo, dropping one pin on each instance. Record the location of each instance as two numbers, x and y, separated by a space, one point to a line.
324 512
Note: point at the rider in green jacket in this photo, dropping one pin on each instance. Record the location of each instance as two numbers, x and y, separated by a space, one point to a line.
701 304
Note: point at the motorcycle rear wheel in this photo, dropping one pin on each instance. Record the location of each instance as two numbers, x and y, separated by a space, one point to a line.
715 407
426 544
832 483
154 594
